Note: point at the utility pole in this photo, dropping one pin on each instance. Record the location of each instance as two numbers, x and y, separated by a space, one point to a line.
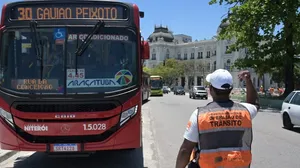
203 76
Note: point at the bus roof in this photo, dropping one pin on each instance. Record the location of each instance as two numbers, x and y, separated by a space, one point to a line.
155 76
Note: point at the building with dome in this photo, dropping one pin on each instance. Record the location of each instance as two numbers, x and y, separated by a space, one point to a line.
207 55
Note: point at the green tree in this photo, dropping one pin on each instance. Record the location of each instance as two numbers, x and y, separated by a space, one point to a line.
172 70
147 70
253 24
278 75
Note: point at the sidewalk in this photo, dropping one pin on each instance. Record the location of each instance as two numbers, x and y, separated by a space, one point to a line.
5 154
269 110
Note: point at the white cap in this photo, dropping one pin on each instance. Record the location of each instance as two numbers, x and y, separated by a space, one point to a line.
219 78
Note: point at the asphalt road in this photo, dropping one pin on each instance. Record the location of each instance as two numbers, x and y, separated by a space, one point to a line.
164 121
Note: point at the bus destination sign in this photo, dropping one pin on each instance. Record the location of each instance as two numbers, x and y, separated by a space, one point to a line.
68 11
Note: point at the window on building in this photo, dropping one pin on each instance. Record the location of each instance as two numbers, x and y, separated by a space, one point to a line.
228 62
185 56
153 56
208 54
214 53
192 55
167 54
208 67
215 65
178 56
200 55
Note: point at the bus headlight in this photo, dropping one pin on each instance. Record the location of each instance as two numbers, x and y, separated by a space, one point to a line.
7 117
126 115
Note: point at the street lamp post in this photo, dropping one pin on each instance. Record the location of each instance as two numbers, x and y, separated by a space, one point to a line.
203 76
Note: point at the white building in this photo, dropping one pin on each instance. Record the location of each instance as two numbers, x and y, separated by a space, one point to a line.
211 53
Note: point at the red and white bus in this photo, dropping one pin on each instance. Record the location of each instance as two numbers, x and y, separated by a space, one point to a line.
71 76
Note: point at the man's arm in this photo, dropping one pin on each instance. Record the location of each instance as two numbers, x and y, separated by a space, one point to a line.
190 141
185 151
252 96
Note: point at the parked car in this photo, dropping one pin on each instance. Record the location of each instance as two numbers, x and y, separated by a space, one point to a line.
290 110
198 91
179 90
166 89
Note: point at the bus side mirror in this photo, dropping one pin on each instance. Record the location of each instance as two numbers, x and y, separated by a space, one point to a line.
145 50
142 14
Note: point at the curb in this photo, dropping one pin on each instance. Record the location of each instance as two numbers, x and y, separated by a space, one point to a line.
263 108
7 155
269 110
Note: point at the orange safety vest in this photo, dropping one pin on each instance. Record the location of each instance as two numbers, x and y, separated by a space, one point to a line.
225 135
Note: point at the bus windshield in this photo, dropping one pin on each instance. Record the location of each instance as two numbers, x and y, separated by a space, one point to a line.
156 84
108 64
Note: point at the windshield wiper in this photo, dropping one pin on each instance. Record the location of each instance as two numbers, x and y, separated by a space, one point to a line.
37 44
87 41
124 60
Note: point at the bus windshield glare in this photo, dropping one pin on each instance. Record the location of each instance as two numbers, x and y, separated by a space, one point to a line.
108 64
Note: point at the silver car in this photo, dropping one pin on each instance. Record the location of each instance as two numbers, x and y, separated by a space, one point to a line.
198 91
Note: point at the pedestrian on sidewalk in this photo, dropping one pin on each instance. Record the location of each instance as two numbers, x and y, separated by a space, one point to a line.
220 133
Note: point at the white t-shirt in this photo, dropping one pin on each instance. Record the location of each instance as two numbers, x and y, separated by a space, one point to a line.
191 132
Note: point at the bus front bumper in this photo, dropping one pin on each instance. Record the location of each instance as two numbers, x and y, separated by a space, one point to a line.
127 137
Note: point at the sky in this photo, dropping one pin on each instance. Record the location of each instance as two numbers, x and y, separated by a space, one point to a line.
192 17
